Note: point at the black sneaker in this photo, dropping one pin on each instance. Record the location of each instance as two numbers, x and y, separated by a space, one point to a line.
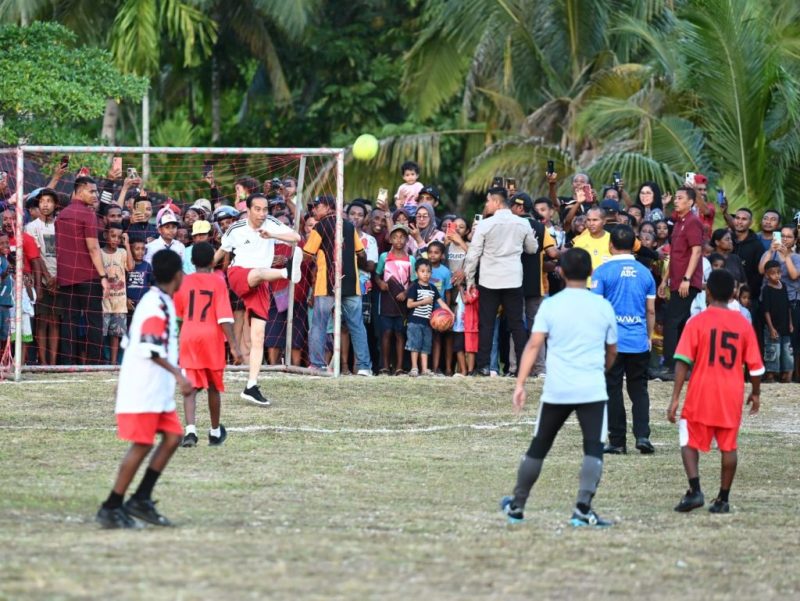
253 394
190 440
215 441
644 446
145 510
664 375
719 506
691 500
611 449
115 518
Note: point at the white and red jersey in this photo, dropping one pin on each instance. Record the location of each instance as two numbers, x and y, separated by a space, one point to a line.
249 248
143 386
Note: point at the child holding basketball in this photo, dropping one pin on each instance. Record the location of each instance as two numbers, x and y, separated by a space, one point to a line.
204 308
716 344
146 397
422 296
441 278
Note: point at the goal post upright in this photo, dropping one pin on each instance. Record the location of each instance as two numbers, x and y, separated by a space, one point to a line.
334 155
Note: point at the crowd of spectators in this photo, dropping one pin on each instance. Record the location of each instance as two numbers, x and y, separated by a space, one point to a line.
86 266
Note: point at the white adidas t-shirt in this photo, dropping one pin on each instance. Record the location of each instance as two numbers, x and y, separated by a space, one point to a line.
251 250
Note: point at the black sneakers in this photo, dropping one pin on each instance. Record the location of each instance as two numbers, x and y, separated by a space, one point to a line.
190 440
215 441
145 510
611 449
644 446
691 500
253 394
719 506
115 518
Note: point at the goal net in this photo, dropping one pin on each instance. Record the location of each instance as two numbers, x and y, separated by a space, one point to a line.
54 314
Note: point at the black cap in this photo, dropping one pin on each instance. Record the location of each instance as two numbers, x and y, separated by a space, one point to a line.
610 205
325 199
432 191
523 200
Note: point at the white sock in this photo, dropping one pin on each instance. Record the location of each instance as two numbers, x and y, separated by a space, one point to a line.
215 432
190 429
285 274
251 383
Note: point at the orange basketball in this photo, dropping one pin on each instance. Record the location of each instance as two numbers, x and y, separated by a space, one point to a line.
441 320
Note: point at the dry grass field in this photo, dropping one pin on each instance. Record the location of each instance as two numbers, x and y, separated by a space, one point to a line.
383 489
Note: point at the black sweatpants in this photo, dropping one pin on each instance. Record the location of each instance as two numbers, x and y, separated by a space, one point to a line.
513 306
678 313
591 417
632 367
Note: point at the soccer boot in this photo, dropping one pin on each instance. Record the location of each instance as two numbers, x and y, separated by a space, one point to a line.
513 516
590 518
691 500
145 510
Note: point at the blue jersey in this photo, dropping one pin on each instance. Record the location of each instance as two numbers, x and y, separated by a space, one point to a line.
627 284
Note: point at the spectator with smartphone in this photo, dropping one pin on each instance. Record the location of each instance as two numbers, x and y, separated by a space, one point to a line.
705 210
139 225
497 245
82 279
423 229
685 276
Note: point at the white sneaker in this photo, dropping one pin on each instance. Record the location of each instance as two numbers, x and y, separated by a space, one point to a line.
294 267
493 374
365 372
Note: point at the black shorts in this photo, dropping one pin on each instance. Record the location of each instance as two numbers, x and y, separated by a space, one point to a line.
458 342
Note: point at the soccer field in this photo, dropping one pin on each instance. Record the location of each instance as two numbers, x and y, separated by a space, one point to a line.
384 489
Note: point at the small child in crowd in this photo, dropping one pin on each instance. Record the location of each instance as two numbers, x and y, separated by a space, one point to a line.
394 273
116 263
408 192
441 278
422 296
140 277
6 291
778 325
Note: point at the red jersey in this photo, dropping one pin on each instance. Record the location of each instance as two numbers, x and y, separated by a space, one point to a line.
202 303
717 343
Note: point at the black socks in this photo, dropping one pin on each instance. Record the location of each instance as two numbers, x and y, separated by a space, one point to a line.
723 495
114 501
146 485
694 484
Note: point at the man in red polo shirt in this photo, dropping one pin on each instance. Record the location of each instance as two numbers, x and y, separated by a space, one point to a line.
81 277
685 274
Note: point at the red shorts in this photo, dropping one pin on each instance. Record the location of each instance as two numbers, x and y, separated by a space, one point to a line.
256 300
142 428
202 378
698 436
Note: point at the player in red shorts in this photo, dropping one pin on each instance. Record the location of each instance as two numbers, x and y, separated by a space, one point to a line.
203 306
252 242
146 397
717 344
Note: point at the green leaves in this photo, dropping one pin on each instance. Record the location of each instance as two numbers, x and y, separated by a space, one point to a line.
48 81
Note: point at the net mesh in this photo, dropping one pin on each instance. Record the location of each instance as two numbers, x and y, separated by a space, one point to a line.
68 321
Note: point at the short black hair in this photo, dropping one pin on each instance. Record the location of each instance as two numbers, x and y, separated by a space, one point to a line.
689 192
771 264
720 285
32 203
501 192
253 196
136 239
409 166
623 237
84 180
422 263
360 204
438 244
772 211
543 200
113 226
714 257
576 264
202 254
746 210
166 263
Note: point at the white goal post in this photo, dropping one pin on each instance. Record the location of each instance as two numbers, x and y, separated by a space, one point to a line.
336 165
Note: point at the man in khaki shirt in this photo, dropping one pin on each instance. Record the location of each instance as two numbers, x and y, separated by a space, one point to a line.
497 243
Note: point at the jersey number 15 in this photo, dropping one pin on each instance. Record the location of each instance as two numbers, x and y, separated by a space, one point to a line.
727 350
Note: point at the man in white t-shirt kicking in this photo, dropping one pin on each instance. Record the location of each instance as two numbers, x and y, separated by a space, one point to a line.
252 242
581 333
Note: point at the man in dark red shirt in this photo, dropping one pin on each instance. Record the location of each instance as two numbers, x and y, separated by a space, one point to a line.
685 274
82 279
